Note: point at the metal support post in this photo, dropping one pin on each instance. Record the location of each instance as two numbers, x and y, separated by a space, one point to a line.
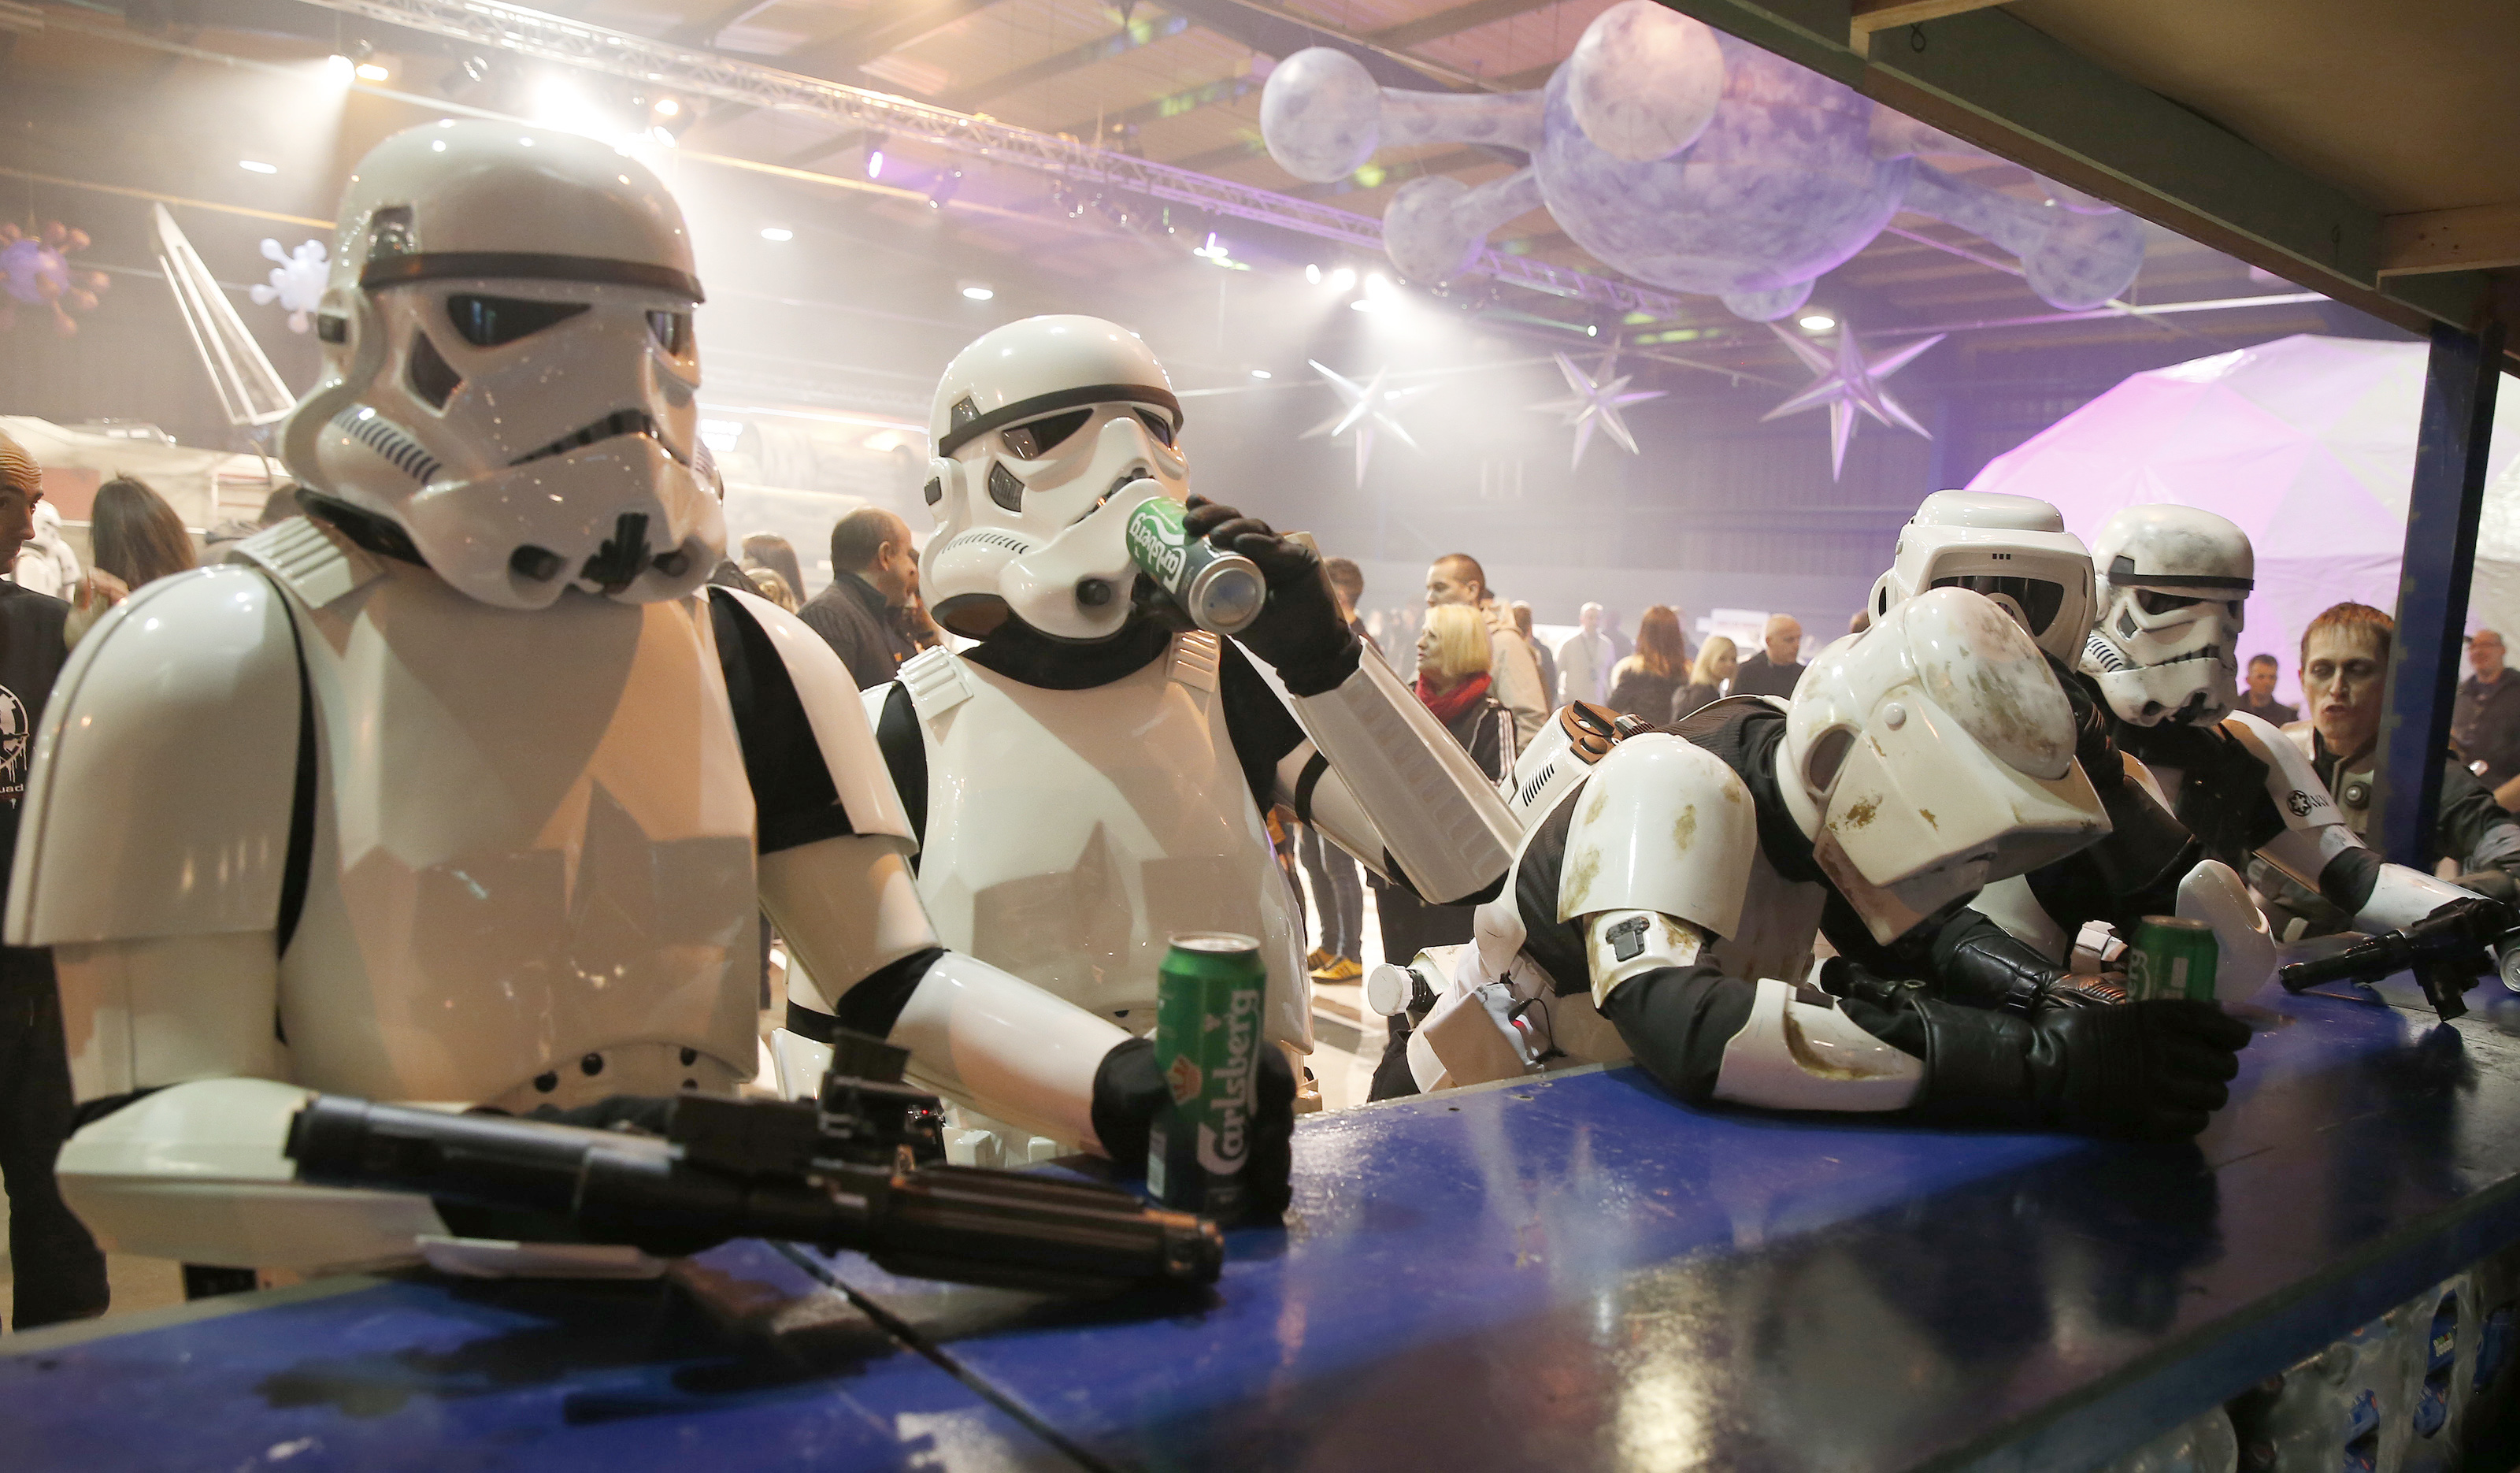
2442 512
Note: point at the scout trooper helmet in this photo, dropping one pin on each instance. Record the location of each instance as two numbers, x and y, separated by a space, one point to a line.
508 371
1048 432
2013 549
2174 583
1931 755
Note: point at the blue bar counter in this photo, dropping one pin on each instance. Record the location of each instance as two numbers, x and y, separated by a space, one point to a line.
1568 1273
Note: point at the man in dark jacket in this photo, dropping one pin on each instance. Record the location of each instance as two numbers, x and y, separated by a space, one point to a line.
58 1270
2344 672
2486 723
874 573
1777 667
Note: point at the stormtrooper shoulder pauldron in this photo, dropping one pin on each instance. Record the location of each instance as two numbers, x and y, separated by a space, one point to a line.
187 705
842 728
1661 825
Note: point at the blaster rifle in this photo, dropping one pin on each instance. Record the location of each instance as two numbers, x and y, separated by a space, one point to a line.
861 1168
2447 951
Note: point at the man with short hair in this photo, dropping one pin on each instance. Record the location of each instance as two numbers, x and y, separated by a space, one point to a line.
1539 652
2344 679
2259 700
1584 660
1775 669
1457 577
59 1273
2484 724
874 571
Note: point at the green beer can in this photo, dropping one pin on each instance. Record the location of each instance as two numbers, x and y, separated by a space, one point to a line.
2172 957
1208 1013
1221 591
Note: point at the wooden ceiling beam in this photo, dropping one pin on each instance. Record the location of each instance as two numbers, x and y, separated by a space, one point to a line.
2477 238
1864 17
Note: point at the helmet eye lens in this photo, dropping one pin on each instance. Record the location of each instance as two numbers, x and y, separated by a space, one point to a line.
671 330
2153 601
1036 438
1159 425
2038 598
491 321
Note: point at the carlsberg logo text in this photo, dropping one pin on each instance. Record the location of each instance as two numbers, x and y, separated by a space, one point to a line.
1220 1143
1153 552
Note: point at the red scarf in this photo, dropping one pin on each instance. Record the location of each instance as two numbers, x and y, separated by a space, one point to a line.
1449 706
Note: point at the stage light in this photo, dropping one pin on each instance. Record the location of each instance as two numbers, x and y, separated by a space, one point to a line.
977 293
341 67
1362 305
1342 279
1313 275
1816 322
875 163
1259 373
372 71
1377 285
1590 331
257 167
666 106
776 233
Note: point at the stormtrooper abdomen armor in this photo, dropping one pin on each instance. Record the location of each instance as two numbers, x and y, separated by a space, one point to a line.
1069 833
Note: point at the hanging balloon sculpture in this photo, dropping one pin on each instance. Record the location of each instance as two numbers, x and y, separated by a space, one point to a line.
35 270
1685 159
296 283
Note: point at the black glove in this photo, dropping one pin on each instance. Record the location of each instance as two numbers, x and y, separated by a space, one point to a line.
1977 963
1129 1090
1300 630
2154 1070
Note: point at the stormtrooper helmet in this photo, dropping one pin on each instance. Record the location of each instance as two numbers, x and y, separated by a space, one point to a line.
2013 549
1932 756
1048 432
2174 583
508 371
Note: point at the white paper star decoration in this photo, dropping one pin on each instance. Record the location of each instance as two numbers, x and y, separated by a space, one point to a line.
1847 383
1361 410
1595 403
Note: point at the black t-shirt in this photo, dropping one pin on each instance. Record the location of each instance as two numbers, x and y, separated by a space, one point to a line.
31 657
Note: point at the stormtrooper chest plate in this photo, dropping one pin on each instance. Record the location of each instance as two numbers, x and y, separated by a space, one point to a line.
1072 833
532 869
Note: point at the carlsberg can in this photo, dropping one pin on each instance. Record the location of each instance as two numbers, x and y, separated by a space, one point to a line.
1221 591
1208 1014
2172 957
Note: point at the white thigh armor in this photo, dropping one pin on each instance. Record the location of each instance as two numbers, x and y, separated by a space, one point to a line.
1070 834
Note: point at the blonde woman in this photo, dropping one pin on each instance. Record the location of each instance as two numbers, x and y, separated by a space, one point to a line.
1717 659
1456 683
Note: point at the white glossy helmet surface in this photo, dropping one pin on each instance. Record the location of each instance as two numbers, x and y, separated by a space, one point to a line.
508 370
1932 756
2013 549
1048 431
2174 583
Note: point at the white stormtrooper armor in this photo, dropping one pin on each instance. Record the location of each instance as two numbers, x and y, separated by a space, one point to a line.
2174 585
393 806
1088 781
1920 759
2013 549
2161 657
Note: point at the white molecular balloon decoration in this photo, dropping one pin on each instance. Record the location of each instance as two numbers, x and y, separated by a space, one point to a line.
1685 159
296 283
